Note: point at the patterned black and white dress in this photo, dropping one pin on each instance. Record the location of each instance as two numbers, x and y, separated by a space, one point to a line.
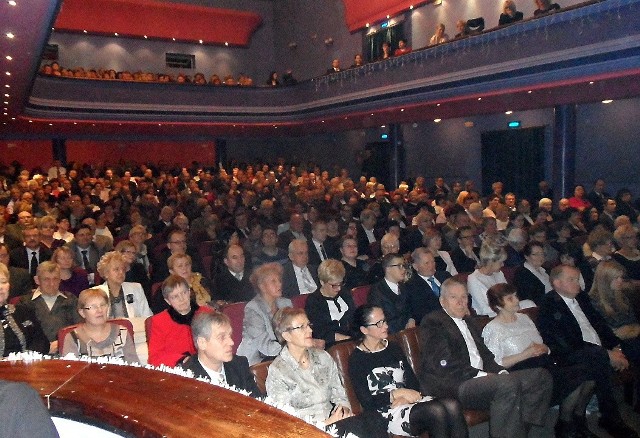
375 375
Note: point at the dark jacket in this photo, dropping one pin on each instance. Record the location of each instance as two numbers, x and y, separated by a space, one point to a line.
236 371
395 307
422 299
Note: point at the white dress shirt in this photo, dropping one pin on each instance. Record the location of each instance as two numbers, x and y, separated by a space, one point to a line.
589 334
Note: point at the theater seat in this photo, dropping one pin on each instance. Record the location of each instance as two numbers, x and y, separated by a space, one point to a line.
260 371
235 312
299 301
360 294
409 341
340 353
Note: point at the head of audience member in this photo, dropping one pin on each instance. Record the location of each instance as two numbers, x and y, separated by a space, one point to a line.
48 278
368 219
424 262
177 241
432 240
331 274
545 204
31 237
234 259
113 268
389 244
517 239
454 298
299 252
4 254
538 233
565 280
371 322
358 60
267 280
83 236
293 329
475 210
269 238
626 237
296 223
578 191
46 226
394 268
490 226
137 235
211 334
319 231
386 49
93 306
491 258
440 28
335 64
534 254
349 249
180 264
509 8
610 206
25 218
176 292
64 258
601 242
621 220
128 251
181 222
503 298
465 236
608 288
563 205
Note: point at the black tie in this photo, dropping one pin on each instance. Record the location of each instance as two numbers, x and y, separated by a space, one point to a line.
33 268
324 253
85 261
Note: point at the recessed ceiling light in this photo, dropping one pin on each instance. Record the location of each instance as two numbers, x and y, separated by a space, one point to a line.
6 94
173 39
323 121
145 37
529 92
383 126
159 124
367 25
371 113
607 101
30 121
6 114
591 83
437 120
438 104
12 3
10 35
200 41
8 73
9 58
411 7
226 43
479 98
508 112
401 110
6 102
84 31
116 33
75 123
388 16
13 118
7 86
50 124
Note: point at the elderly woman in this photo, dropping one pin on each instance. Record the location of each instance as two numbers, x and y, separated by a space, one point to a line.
20 330
432 240
355 269
259 341
97 337
509 13
307 379
487 274
516 344
137 236
578 200
126 300
384 382
390 295
531 279
73 278
180 264
170 340
47 227
330 308
628 255
135 272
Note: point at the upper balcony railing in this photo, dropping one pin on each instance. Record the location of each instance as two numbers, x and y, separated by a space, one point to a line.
596 38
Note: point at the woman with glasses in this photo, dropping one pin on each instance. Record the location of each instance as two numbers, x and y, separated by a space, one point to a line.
97 337
135 272
384 382
308 380
389 294
531 279
355 270
330 308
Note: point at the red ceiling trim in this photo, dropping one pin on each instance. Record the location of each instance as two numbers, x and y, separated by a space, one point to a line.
155 19
360 12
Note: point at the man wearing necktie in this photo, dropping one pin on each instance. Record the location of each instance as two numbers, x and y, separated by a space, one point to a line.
299 277
318 251
423 287
31 254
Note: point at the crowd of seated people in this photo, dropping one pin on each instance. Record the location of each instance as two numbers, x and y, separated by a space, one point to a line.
183 242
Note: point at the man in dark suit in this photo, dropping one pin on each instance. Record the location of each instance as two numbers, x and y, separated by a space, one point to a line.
31 254
86 253
456 362
367 232
214 358
423 287
335 67
608 215
413 239
576 333
299 277
295 231
20 278
597 197
318 251
390 295
232 279
11 241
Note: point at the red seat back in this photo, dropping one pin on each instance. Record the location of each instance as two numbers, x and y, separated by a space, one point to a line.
62 333
235 312
299 301
360 294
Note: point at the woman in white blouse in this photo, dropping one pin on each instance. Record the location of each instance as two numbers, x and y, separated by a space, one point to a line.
516 344
531 279
487 274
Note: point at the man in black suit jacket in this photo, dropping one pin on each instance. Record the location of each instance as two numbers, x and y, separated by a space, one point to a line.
22 257
298 272
20 278
456 362
366 231
232 280
335 67
390 295
423 287
11 241
295 231
317 243
576 333
214 358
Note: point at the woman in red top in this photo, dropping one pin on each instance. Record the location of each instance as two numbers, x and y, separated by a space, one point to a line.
578 200
170 338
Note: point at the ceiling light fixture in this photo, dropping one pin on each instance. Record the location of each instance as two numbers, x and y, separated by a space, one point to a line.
116 34
173 39
401 110
411 8
508 112
437 120
84 31
226 43
607 101
145 37
12 3
591 83
529 92
10 35
9 58
6 94
7 86
8 73
479 98
200 41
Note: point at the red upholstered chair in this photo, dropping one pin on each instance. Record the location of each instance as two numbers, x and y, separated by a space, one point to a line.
299 301
147 329
206 266
204 248
120 321
156 288
260 372
235 312
360 294
509 273
340 353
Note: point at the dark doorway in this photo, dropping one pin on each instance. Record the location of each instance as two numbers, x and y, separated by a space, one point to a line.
391 35
376 161
515 157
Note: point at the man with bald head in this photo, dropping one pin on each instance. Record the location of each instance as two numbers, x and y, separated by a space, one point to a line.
457 363
295 231
232 279
299 277
423 287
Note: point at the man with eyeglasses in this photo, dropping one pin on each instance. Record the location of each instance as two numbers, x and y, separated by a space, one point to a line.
390 295
176 244
465 256
32 253
455 362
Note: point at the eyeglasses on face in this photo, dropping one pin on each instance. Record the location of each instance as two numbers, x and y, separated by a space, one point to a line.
96 307
336 285
378 324
399 265
300 327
